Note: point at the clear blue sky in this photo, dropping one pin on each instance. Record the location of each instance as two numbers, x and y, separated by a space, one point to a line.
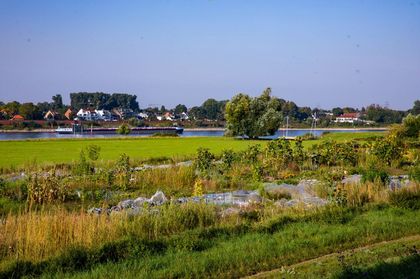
315 53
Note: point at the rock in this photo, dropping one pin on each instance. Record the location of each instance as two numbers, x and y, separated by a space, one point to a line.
133 211
229 211
314 201
126 204
116 208
254 197
95 210
140 201
158 198
181 200
352 179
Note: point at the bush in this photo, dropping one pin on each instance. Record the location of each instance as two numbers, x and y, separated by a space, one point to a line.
204 161
123 129
406 198
373 174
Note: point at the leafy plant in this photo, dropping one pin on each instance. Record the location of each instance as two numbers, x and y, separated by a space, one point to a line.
123 129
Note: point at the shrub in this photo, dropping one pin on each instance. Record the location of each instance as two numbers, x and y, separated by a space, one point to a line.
123 129
406 198
204 160
123 171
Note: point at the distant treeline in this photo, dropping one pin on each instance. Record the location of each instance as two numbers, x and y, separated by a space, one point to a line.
211 109
100 100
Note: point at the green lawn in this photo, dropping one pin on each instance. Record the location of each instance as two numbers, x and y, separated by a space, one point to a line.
45 151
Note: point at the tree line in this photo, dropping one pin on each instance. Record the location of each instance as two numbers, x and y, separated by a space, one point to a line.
210 109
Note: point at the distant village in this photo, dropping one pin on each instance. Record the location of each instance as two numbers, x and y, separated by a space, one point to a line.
119 107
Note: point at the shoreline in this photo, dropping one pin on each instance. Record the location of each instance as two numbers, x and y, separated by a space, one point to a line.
219 129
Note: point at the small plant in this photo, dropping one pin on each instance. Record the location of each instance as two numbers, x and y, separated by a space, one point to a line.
93 151
204 161
82 167
198 188
123 171
406 198
228 157
123 129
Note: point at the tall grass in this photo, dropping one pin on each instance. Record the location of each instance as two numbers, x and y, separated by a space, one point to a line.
38 235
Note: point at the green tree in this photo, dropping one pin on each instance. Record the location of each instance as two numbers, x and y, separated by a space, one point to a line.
180 109
29 111
253 117
416 108
337 111
123 129
57 102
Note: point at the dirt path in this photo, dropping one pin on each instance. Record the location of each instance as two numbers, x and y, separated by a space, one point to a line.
314 260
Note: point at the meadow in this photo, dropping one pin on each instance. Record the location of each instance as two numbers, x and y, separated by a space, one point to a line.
17 153
362 227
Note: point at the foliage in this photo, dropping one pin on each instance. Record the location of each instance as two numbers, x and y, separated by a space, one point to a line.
388 150
123 171
46 189
100 100
383 115
198 188
180 109
204 160
406 198
135 122
253 117
123 129
93 151
374 173
228 158
83 166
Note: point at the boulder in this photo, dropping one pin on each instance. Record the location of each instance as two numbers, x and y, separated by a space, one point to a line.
140 201
126 204
254 197
352 179
95 210
158 198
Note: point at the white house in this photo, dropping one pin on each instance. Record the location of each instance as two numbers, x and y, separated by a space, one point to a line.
87 114
142 115
184 116
348 118
103 114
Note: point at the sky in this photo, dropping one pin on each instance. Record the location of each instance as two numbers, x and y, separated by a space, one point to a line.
316 53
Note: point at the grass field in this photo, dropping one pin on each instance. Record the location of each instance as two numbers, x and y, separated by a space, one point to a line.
225 254
45 151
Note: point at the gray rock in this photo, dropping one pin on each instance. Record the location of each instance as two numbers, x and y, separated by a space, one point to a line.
158 198
126 204
352 179
140 201
95 210
254 198
229 211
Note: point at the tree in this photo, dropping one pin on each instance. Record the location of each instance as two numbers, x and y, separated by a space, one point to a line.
57 102
383 115
29 111
253 117
416 108
337 111
180 109
213 109
100 100
12 108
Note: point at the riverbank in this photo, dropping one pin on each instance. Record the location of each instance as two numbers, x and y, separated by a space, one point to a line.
221 129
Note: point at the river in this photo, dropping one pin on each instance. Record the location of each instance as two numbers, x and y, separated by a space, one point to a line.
186 133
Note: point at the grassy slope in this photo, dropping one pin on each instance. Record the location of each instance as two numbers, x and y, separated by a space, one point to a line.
385 259
239 255
17 153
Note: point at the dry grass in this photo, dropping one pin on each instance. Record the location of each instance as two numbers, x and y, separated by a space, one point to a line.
39 235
